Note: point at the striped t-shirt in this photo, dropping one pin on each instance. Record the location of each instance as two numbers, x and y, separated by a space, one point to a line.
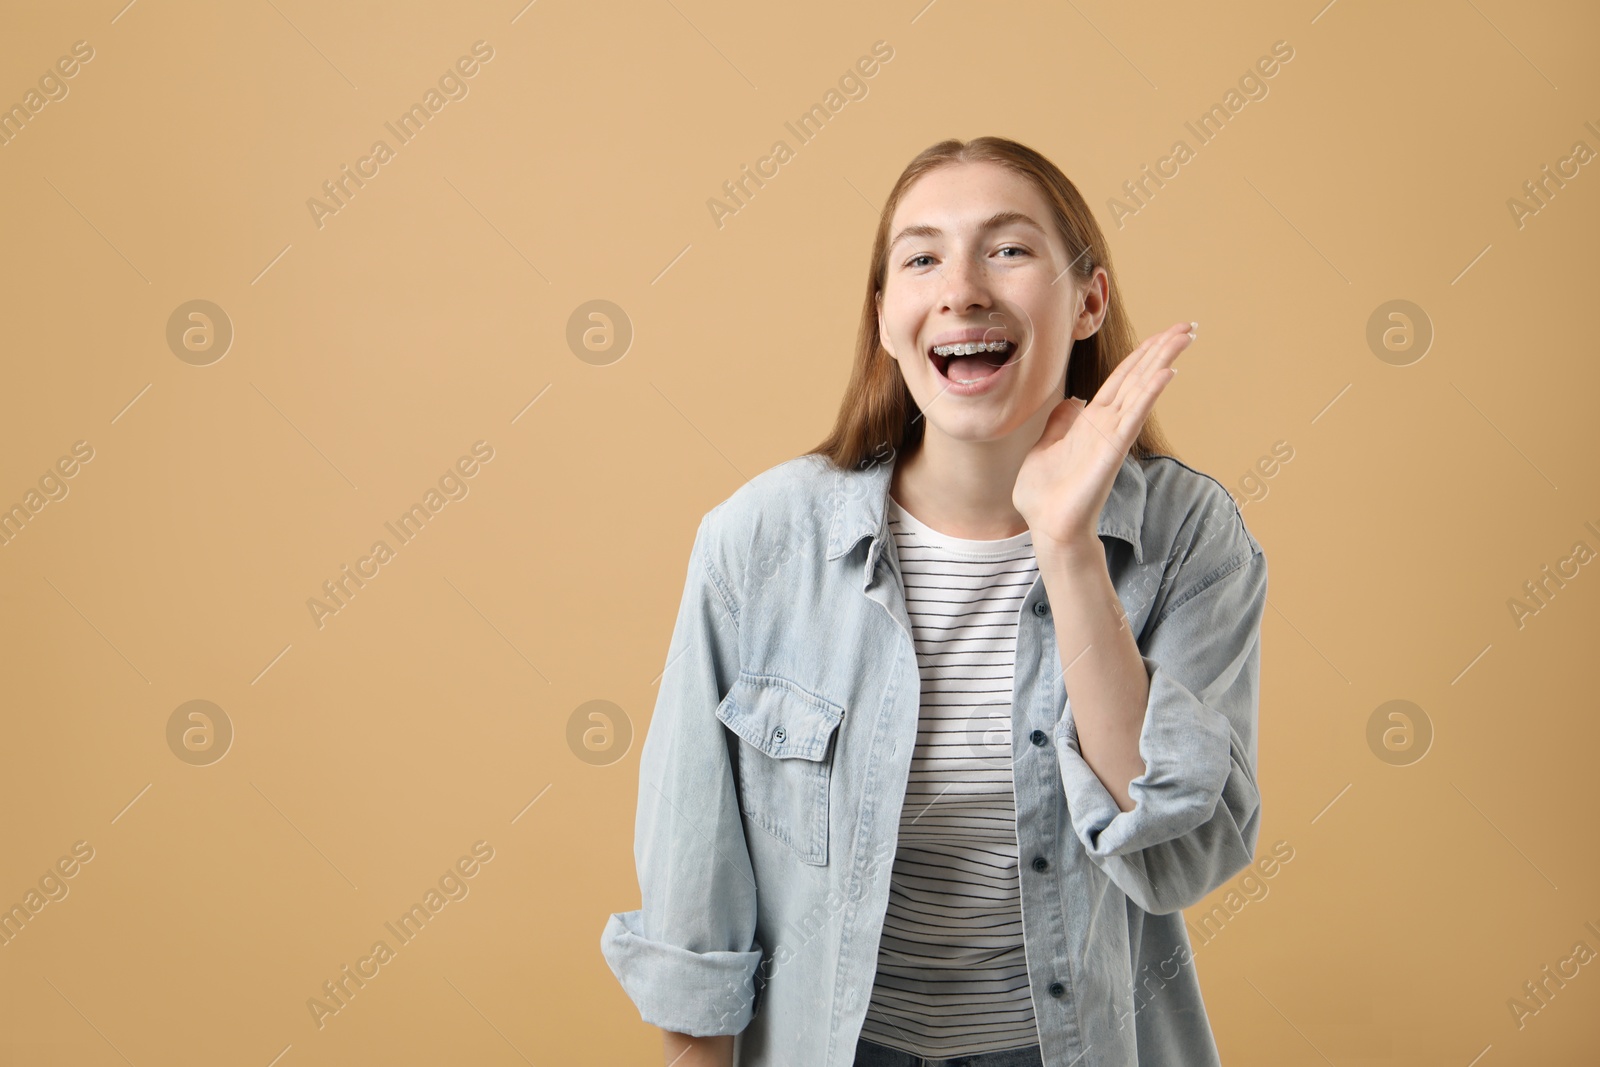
952 978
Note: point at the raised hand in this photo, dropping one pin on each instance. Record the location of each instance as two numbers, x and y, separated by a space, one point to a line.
1067 476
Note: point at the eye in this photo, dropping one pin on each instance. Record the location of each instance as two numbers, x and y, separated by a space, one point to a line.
1015 248
913 259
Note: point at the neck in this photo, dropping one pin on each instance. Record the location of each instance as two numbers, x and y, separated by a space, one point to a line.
963 488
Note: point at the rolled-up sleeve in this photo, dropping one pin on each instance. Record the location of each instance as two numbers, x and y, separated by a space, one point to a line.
1196 808
687 957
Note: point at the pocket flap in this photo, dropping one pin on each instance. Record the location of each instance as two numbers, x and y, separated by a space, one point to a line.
778 717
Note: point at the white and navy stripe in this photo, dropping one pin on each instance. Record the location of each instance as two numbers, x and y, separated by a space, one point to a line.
952 978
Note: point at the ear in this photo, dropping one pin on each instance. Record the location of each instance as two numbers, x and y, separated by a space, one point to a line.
1095 297
883 331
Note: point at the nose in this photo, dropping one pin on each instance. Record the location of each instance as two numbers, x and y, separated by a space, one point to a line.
966 285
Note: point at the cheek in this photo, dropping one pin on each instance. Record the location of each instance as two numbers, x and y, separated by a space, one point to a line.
902 331
1046 313
1048 355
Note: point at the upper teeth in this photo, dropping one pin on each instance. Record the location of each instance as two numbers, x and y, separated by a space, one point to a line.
970 348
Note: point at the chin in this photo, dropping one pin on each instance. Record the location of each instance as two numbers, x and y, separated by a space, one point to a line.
978 429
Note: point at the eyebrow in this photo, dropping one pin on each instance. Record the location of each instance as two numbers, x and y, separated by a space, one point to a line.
995 221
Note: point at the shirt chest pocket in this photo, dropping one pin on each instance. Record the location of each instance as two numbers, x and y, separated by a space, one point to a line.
785 762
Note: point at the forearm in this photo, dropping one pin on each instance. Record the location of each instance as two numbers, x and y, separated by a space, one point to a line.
1104 673
685 1051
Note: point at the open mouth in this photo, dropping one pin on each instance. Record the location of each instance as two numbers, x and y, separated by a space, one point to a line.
971 362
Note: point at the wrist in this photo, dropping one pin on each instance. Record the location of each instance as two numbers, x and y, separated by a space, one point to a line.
1072 551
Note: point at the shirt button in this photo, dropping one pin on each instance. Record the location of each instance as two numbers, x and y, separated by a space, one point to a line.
1040 863
1038 737
778 735
1040 608
1057 989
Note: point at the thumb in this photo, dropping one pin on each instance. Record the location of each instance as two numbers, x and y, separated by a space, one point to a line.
1061 420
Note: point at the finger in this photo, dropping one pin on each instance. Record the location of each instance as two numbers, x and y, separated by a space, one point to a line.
1064 411
1121 370
1129 366
1069 408
1139 406
1156 378
1061 420
1138 394
1164 355
1158 358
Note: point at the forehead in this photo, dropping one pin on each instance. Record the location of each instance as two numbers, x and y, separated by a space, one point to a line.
959 198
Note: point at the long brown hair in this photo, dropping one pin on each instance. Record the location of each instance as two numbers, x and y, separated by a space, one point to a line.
878 412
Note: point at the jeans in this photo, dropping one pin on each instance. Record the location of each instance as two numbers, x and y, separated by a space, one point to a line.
871 1055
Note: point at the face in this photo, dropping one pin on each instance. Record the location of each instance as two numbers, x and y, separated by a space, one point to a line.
956 274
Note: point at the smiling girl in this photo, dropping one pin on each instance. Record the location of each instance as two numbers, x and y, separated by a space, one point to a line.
935 786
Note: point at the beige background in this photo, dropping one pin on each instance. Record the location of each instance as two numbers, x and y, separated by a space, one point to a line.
432 310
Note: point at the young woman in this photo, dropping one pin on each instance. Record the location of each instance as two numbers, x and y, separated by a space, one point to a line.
960 707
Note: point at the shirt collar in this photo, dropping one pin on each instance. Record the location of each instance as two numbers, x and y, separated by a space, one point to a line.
860 500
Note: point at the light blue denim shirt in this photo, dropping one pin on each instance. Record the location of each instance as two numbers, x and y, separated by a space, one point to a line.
774 769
